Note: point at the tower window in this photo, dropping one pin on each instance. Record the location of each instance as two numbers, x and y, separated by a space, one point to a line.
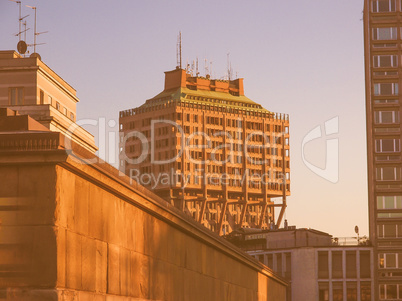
382 117
384 33
383 6
388 173
385 61
386 89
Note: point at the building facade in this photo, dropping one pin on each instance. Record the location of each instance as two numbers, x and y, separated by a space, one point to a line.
30 87
382 33
318 267
202 145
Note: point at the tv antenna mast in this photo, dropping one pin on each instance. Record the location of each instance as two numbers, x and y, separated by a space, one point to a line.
21 46
25 30
178 51
229 67
35 32
206 72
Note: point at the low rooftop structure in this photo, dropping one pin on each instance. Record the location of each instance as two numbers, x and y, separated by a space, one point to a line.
30 87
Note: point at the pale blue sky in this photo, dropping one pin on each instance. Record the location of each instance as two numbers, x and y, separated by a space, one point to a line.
304 58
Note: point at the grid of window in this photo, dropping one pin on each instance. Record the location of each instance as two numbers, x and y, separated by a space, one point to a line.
388 205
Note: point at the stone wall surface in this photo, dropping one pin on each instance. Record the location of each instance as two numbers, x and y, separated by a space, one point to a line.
76 232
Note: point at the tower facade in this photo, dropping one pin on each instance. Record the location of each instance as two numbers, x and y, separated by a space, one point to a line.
383 67
202 145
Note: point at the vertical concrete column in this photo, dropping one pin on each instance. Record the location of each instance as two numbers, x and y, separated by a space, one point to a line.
204 178
344 274
283 264
246 178
225 185
358 273
274 262
183 163
373 267
330 288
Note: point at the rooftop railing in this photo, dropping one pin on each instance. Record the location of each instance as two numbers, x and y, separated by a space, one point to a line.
351 241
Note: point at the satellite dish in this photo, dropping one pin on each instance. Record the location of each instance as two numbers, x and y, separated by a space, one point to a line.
36 55
357 229
22 47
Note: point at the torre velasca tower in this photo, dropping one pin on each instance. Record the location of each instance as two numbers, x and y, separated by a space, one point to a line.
210 151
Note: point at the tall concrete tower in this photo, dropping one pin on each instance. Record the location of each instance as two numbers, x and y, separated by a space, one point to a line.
202 145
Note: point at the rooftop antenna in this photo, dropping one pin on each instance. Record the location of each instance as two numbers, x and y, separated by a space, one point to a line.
206 67
229 67
25 30
35 32
192 68
210 69
357 232
19 18
196 68
178 51
21 46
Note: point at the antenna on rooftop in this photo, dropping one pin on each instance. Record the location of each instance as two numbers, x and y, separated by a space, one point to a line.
21 46
19 18
192 68
25 30
196 68
229 67
210 69
178 51
34 54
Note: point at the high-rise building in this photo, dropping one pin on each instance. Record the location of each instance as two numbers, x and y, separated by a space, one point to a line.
202 145
383 63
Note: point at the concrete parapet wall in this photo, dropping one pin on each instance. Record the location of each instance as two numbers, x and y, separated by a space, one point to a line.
81 232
